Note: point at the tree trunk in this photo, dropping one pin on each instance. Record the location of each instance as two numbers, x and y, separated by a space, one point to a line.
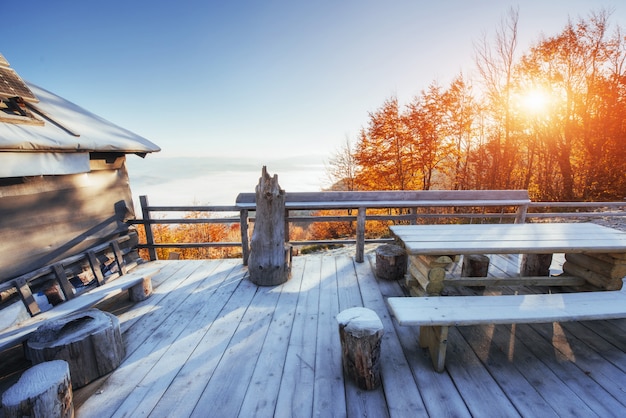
44 390
391 262
360 332
536 264
475 265
90 341
269 263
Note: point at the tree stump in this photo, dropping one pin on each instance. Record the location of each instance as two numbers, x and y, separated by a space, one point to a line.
361 331
269 263
475 265
44 390
141 291
90 342
536 264
391 262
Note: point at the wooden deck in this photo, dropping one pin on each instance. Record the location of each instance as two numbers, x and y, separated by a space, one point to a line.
208 342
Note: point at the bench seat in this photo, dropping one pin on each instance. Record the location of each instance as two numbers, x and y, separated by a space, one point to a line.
435 314
19 333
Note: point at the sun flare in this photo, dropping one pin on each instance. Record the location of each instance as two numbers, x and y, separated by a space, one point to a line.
535 101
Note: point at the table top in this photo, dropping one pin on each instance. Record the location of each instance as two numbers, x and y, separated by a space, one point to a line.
535 238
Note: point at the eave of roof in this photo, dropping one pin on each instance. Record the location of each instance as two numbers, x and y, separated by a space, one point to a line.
69 128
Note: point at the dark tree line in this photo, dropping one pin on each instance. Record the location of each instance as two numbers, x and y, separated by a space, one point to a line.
551 120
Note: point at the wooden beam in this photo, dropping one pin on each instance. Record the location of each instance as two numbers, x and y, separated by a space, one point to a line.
27 296
119 258
516 281
66 286
95 265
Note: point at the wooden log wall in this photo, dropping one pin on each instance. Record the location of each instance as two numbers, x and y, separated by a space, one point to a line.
48 218
604 271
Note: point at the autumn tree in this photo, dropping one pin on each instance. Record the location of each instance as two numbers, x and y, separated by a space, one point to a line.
550 121
385 151
495 63
461 111
580 71
427 123
342 168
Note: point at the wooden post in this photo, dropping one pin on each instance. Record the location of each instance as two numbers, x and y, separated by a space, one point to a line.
269 263
391 262
360 235
145 213
44 390
243 227
361 331
435 338
90 341
520 216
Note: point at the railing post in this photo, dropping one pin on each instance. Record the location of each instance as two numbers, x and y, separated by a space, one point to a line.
286 225
521 214
147 226
243 227
360 234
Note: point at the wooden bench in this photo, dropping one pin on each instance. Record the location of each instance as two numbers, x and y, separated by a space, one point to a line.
405 199
97 265
436 314
138 283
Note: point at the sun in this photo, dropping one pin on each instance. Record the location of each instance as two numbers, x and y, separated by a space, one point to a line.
534 101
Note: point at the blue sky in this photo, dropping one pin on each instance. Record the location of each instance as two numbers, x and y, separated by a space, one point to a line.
257 78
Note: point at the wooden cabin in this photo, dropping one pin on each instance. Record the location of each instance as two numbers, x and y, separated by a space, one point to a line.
64 185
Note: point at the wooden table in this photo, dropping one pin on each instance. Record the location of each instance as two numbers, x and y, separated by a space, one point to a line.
594 253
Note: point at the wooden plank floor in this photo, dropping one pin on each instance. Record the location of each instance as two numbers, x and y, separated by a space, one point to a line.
208 342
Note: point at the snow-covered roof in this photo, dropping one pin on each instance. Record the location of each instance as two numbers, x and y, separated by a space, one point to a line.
68 128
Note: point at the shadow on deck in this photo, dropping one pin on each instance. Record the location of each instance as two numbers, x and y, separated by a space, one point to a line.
208 342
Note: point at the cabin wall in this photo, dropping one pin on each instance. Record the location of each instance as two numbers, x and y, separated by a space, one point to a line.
47 218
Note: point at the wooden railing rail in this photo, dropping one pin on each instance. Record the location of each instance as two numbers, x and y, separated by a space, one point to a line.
577 209
148 220
411 214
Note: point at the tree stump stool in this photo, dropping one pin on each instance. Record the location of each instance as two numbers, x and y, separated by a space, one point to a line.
536 264
90 341
475 265
391 262
361 331
44 390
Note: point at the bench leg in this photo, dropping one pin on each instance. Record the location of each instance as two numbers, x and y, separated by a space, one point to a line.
436 340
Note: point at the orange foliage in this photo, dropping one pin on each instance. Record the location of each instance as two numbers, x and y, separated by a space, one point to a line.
193 233
550 122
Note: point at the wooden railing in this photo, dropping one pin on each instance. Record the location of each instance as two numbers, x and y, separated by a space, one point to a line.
238 214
